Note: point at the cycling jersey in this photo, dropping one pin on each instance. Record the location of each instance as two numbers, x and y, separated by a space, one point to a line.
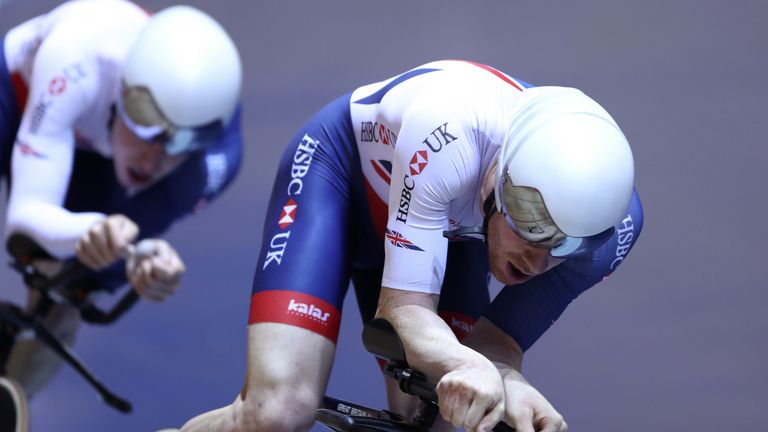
60 74
367 188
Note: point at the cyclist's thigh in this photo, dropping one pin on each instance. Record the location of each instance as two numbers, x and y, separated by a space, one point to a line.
464 296
303 269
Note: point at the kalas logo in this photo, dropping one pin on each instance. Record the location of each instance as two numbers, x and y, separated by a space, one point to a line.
418 162
288 214
310 310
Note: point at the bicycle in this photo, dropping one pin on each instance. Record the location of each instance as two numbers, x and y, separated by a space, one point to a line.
56 282
380 339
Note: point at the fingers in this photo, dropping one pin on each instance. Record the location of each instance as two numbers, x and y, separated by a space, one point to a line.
106 241
554 423
487 422
527 410
522 421
468 406
155 276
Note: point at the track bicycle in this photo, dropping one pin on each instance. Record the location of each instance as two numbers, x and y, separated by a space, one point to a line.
380 339
56 282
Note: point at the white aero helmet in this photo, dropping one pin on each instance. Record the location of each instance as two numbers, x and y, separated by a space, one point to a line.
565 174
181 80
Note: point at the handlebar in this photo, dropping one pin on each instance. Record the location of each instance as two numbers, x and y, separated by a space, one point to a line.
381 339
71 284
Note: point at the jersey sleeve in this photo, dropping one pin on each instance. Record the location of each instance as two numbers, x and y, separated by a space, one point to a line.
434 161
42 156
527 310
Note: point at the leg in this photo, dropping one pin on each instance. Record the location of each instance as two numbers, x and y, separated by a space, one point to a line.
31 363
299 284
288 369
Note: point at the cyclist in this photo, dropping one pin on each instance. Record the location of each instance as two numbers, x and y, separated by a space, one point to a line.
114 124
370 188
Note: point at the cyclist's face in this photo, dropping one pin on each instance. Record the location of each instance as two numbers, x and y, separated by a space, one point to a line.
139 163
513 260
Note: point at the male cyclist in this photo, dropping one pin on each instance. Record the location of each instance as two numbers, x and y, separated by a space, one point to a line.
114 124
386 186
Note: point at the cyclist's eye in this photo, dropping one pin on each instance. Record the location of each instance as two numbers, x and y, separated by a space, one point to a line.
162 138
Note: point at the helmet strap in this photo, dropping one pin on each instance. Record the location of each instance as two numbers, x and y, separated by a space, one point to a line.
489 208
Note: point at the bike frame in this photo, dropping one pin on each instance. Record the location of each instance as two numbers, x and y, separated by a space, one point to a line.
380 338
62 287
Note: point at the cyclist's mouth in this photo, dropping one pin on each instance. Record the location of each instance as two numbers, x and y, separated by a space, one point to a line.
517 276
137 178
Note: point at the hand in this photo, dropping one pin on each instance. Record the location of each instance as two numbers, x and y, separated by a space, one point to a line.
154 269
472 398
527 410
106 241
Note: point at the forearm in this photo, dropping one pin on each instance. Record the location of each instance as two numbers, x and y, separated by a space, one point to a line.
59 238
495 345
430 345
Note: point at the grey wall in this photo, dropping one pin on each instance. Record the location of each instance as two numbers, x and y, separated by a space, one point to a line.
675 340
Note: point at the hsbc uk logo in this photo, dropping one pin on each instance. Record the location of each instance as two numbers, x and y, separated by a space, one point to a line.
405 199
418 162
439 138
57 85
288 214
302 160
625 236
377 132
416 166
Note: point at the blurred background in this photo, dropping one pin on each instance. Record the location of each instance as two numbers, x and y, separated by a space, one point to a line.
675 340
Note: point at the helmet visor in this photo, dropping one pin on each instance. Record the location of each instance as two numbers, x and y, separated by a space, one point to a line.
140 114
526 214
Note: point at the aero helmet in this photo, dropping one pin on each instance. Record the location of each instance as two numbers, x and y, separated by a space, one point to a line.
565 171
181 80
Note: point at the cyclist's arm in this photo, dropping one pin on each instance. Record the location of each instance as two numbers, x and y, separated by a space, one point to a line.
525 408
435 161
469 387
43 153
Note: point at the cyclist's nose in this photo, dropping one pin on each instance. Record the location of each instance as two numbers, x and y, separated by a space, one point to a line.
535 260
151 155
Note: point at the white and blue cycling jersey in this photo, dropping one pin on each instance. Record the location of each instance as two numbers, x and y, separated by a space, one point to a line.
60 74
369 185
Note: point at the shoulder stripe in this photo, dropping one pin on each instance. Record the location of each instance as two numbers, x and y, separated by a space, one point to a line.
379 95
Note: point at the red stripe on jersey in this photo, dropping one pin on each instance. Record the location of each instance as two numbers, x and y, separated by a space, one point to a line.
460 323
297 309
20 89
497 73
378 209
